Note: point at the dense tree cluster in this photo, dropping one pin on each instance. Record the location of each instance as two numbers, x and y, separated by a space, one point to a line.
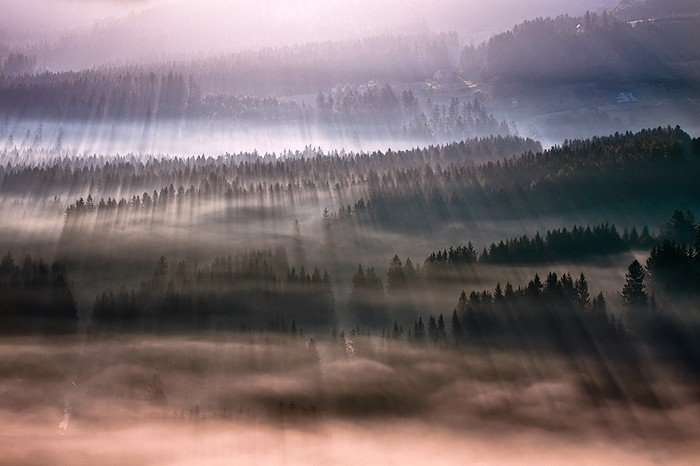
214 85
681 228
146 98
558 313
113 176
674 264
344 214
95 95
595 47
402 275
375 104
253 290
35 297
556 245
18 64
423 187
228 89
367 303
617 171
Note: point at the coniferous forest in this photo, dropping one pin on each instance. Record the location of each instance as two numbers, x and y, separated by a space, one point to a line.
305 235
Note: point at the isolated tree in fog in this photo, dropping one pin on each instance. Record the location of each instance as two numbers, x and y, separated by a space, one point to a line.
162 267
326 219
633 293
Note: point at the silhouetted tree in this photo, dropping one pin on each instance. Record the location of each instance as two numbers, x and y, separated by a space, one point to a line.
396 277
633 293
582 294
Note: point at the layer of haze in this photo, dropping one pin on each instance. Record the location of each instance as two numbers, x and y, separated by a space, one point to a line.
215 397
284 401
83 33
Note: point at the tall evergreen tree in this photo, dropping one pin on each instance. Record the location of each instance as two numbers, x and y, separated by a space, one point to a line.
419 331
457 329
397 331
633 293
441 332
534 287
598 306
433 330
395 278
583 297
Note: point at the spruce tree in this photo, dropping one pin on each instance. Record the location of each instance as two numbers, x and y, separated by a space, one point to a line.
582 295
457 330
441 333
395 277
633 294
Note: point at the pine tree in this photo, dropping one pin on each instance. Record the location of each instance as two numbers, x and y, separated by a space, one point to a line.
326 219
551 286
633 294
582 295
462 304
397 331
498 293
409 271
395 277
419 331
457 329
534 288
599 306
433 330
441 332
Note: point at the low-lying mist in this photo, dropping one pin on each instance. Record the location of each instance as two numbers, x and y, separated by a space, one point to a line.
269 398
191 137
349 232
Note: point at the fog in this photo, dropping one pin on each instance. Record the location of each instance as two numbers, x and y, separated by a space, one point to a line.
91 32
349 231
189 137
276 400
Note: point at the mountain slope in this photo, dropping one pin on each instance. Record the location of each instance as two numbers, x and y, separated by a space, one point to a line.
634 10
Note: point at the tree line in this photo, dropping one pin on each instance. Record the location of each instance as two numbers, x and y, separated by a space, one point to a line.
561 244
593 47
556 311
406 187
81 175
613 173
674 263
252 290
35 297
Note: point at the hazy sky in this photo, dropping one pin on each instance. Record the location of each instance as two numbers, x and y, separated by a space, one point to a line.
26 21
29 20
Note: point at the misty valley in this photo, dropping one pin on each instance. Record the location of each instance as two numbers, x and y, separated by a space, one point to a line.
450 236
